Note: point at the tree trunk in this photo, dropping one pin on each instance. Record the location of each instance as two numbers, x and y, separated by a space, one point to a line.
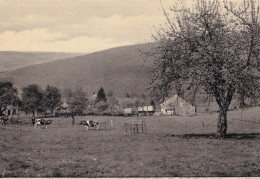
223 103
222 124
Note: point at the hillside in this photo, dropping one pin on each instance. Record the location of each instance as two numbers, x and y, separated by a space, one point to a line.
13 60
120 70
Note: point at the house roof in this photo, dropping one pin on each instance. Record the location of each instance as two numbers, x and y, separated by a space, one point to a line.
93 97
173 102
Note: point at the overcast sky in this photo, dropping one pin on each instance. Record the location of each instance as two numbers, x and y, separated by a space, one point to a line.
77 25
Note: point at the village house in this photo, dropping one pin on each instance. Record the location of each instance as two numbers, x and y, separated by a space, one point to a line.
146 110
177 106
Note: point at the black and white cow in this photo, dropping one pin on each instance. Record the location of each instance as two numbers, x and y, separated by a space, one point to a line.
42 122
90 123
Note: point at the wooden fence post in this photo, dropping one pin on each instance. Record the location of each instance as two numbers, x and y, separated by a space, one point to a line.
142 126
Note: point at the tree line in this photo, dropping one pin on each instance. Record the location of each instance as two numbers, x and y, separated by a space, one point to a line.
33 98
47 101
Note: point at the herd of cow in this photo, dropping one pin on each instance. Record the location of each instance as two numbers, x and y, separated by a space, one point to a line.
38 122
86 123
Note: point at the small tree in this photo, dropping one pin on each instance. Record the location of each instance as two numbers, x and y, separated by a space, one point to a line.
152 103
32 98
101 106
52 98
113 102
77 100
101 96
8 95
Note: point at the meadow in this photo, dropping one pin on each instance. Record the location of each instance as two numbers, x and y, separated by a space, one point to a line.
172 146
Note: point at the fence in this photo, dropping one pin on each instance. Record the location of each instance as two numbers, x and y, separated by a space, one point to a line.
135 127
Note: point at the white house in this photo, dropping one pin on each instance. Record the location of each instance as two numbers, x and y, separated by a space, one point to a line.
146 110
127 110
177 106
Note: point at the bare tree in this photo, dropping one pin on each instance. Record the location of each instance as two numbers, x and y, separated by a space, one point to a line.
213 45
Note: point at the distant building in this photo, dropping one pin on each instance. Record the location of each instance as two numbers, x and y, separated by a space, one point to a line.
63 108
127 110
146 110
93 97
177 106
11 110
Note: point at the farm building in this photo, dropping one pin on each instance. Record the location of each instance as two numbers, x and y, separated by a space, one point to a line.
177 106
11 110
63 109
146 110
128 110
93 97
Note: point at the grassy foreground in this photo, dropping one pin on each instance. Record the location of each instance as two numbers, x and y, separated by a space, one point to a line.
172 146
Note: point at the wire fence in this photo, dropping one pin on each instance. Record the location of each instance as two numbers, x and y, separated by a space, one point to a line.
250 121
205 124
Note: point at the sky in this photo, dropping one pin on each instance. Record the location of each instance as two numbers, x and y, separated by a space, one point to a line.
77 25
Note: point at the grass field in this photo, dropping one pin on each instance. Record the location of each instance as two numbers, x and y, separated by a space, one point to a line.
172 146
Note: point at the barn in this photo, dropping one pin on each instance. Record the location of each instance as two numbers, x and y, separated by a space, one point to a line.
11 110
177 106
146 110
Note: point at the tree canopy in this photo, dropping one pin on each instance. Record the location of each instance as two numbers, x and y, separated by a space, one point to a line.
215 46
76 99
32 98
8 95
52 98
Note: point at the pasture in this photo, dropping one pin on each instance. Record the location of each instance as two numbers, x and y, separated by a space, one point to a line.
171 146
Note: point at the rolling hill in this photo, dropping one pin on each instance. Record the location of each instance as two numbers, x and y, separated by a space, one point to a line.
120 70
13 60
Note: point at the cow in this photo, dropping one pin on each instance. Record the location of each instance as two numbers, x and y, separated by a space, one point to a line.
42 122
88 123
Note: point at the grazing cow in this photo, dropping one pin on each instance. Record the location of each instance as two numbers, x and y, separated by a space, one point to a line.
42 122
88 124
